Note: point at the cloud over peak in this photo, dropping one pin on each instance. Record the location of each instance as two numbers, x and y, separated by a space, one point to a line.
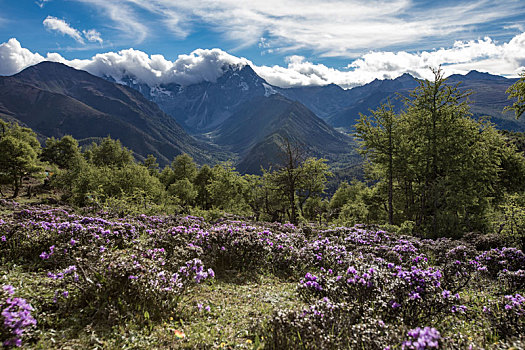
14 58
200 65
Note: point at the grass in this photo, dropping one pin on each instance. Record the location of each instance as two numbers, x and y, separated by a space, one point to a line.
238 304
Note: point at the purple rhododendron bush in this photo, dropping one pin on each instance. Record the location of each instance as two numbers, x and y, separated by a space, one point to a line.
356 287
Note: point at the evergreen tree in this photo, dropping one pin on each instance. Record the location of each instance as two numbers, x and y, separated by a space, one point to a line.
19 151
517 91
379 133
184 168
151 164
201 182
442 167
64 152
109 152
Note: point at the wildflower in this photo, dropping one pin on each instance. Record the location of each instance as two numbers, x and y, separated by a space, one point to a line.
9 289
422 338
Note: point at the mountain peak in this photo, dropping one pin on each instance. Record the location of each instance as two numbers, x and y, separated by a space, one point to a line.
477 75
48 68
405 76
55 73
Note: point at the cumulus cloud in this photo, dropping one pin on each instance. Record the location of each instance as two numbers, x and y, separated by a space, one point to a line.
484 55
207 65
14 58
342 28
92 35
61 26
200 65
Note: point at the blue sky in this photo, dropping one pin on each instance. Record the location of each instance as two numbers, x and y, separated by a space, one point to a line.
289 42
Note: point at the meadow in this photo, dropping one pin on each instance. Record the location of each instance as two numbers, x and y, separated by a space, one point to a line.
86 278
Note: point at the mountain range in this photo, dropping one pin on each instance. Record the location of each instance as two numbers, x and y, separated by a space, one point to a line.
341 108
56 100
239 116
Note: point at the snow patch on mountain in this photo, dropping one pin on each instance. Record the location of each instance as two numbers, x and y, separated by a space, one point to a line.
268 90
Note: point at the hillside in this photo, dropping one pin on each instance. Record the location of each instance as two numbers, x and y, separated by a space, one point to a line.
340 108
259 128
55 100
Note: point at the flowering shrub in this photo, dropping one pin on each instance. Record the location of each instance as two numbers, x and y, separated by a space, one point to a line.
110 266
422 338
16 319
358 287
504 259
507 315
327 325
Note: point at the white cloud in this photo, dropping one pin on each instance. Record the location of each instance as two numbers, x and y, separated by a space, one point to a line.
14 58
92 35
124 18
343 28
484 55
61 26
200 65
41 3
207 65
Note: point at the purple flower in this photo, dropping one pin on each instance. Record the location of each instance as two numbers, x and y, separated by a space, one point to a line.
9 289
422 338
414 295
3 238
17 317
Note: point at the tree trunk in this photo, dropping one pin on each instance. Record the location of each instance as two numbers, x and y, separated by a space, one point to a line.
390 181
16 188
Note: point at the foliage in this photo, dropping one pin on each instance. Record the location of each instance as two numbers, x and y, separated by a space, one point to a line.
109 152
297 179
226 189
65 152
517 92
508 220
151 164
356 203
19 148
434 164
357 287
